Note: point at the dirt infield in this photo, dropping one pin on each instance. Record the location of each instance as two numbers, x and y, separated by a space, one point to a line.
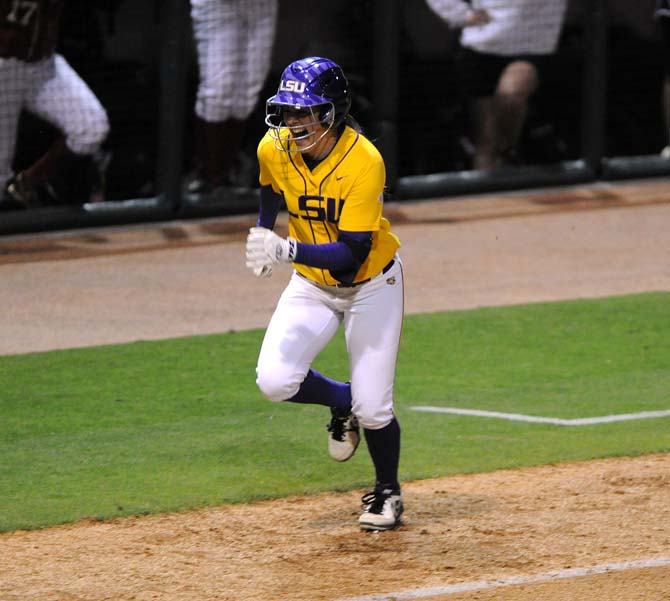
593 530
458 529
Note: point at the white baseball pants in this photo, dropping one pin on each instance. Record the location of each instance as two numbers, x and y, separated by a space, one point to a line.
306 319
234 41
52 90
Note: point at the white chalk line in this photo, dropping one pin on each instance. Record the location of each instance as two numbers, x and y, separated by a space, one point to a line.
478 585
520 417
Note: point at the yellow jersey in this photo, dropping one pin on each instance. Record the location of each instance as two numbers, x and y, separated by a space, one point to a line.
345 191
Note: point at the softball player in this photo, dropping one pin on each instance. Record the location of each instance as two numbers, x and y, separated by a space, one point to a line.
331 178
34 77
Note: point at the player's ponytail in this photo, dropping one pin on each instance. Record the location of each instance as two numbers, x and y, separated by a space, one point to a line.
350 120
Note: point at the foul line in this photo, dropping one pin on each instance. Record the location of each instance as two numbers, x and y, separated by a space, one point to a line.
519 417
478 585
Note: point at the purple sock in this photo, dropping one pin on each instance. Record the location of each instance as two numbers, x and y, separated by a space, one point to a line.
317 389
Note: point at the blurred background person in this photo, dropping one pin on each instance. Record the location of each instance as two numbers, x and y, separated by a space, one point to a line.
36 78
234 42
502 47
662 15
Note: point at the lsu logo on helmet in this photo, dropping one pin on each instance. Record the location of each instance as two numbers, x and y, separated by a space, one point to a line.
291 85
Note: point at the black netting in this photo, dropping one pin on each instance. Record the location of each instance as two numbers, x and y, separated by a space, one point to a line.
636 59
124 51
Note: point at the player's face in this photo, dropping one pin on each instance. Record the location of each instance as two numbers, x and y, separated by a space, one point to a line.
307 131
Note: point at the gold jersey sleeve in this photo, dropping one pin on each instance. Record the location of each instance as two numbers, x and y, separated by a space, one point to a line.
345 192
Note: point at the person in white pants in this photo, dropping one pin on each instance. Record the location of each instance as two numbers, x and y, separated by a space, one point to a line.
234 42
34 77
315 160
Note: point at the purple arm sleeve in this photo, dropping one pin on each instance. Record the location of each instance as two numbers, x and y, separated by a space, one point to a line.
336 256
270 203
345 255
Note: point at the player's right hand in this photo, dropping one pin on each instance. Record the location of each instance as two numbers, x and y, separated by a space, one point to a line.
264 247
263 271
257 258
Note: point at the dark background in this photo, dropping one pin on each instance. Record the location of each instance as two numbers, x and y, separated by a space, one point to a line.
115 45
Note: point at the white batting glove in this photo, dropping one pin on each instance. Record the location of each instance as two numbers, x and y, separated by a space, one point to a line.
263 271
264 248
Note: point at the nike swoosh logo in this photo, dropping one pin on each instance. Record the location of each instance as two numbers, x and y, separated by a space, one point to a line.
340 177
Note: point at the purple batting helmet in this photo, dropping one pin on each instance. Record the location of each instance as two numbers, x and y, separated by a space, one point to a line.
316 84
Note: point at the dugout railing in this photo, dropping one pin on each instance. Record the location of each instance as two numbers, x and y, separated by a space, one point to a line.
597 115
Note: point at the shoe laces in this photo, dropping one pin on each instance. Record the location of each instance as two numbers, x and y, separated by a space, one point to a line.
373 502
337 425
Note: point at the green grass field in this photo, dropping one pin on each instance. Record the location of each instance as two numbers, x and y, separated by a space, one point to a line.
176 424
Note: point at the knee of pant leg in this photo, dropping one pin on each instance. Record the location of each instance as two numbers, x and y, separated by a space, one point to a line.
212 106
372 405
275 386
98 132
373 417
91 135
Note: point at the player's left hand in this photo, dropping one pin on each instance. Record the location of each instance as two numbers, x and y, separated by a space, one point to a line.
264 247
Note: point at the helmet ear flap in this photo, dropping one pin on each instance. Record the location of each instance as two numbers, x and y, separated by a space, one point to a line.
274 114
335 87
